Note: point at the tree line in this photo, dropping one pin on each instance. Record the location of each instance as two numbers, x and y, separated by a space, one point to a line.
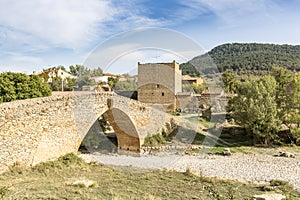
244 58
17 86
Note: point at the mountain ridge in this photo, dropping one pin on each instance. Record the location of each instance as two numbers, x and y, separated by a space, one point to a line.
244 57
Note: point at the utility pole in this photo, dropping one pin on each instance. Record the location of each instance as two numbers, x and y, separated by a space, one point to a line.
62 84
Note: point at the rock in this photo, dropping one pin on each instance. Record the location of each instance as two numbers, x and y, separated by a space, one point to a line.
226 152
195 147
84 183
274 196
219 125
286 154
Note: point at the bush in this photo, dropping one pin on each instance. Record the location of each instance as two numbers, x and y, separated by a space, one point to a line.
154 140
296 136
67 161
283 186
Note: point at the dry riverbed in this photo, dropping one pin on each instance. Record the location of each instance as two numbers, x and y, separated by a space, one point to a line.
257 168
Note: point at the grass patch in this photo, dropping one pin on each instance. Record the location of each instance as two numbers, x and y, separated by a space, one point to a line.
51 181
281 186
216 150
155 140
206 123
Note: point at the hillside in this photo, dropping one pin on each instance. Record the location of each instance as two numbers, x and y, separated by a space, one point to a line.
244 57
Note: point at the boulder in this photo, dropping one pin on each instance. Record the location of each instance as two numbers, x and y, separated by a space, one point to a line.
226 152
274 196
84 183
286 154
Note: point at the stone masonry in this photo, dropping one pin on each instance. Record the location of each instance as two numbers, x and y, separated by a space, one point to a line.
42 129
158 83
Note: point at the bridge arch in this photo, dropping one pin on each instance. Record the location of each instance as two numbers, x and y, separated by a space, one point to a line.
127 137
125 129
89 108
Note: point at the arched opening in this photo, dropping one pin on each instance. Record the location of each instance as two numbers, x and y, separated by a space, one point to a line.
111 133
127 135
101 138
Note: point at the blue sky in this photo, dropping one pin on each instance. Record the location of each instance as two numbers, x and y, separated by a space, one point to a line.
36 34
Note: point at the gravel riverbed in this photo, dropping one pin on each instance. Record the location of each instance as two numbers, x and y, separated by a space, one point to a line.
257 168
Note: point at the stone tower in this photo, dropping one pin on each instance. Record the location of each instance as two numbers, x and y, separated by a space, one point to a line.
158 83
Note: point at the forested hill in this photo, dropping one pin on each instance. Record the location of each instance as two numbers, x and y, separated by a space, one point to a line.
245 57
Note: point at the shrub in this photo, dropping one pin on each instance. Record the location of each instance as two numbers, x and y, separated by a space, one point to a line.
296 136
68 160
154 140
3 191
281 185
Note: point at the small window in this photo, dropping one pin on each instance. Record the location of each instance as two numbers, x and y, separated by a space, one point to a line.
157 86
162 94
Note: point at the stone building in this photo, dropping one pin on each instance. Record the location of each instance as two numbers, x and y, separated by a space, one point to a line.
49 75
159 83
187 79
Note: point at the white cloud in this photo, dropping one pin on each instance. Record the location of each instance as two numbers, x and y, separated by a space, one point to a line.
42 27
68 23
234 12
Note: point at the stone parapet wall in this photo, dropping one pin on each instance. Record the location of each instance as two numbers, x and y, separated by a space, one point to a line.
28 127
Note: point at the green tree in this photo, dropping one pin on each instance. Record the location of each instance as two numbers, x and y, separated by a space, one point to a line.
126 85
56 84
38 87
84 75
230 80
84 81
112 82
7 89
73 70
283 78
294 94
15 86
97 72
70 83
255 109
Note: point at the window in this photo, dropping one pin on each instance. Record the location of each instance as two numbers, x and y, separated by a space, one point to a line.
162 94
157 86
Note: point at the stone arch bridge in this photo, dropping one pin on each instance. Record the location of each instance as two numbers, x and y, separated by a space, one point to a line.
41 129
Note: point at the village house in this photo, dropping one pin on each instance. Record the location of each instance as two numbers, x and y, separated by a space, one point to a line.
187 79
49 75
